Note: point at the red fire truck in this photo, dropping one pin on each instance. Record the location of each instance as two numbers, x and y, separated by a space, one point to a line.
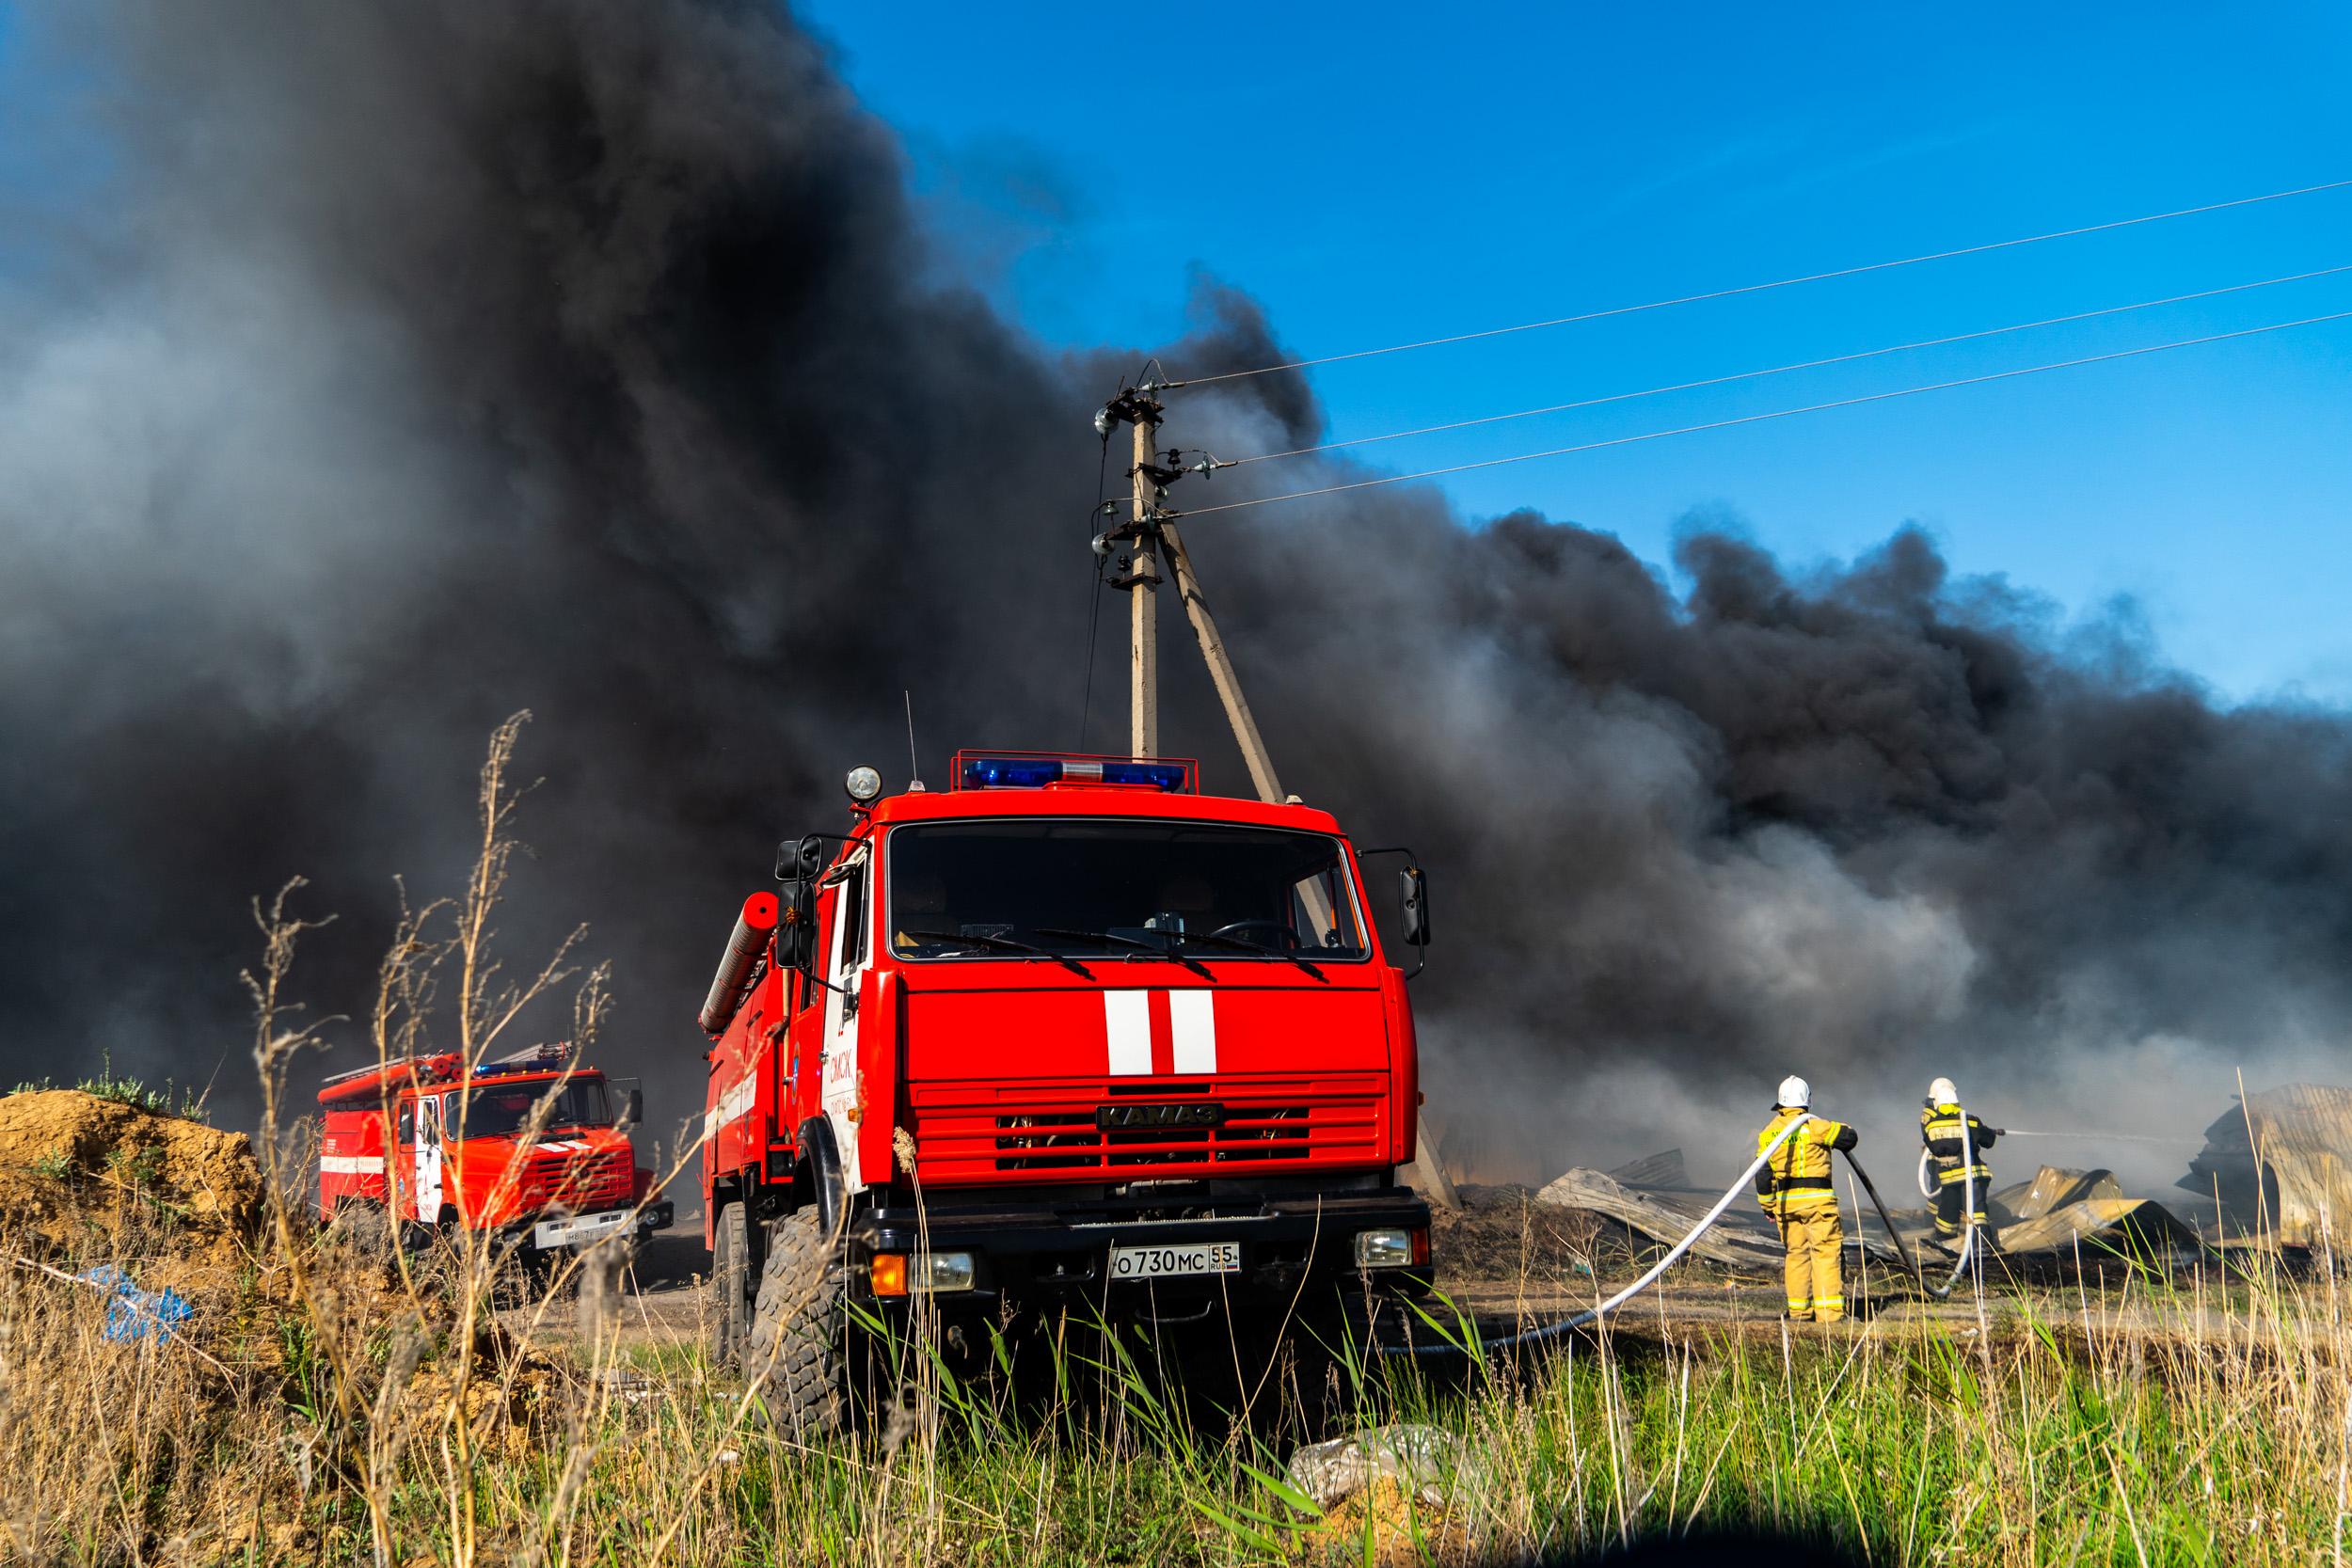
1067 1034
458 1156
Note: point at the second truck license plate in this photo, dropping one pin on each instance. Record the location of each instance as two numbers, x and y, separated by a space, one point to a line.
1158 1262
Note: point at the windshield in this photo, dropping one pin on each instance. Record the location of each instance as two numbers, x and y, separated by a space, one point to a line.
499 1110
1119 890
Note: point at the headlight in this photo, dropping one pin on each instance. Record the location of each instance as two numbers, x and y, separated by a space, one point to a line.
1384 1249
864 785
942 1270
894 1274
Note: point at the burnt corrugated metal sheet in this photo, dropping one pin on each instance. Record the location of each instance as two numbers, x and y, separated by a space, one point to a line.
2281 1163
1662 1169
2053 1188
2062 1211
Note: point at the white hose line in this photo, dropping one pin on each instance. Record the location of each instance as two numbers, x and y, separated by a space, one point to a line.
2089 1137
1926 1188
1594 1314
1968 1216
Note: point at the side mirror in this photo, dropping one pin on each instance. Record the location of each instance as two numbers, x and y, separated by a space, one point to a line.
1415 888
798 860
796 923
633 1114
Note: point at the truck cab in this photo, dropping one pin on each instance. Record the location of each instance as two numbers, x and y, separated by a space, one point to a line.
1066 1033
524 1146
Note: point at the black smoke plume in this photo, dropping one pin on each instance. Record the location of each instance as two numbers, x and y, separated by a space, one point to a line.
368 372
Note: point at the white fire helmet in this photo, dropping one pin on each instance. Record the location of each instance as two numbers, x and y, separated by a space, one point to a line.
1943 1092
1795 1091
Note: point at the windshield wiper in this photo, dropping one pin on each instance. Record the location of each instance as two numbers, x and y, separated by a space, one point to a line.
1248 946
1150 949
1005 944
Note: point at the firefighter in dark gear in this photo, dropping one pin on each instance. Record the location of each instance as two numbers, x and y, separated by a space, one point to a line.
1794 1187
1956 1142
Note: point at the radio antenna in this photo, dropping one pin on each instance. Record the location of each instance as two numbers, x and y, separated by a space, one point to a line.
914 768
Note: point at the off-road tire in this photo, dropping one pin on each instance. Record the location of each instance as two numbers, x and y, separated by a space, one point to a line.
798 1353
732 1286
365 1229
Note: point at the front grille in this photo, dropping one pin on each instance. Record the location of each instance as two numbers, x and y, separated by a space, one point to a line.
964 1133
583 1183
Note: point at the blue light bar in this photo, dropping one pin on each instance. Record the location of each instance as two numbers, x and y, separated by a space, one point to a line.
1158 775
1016 772
1010 773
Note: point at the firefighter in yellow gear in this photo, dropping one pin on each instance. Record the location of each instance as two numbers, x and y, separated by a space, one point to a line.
1794 1188
1958 1177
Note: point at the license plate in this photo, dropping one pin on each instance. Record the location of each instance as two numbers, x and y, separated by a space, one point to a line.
583 1227
1160 1262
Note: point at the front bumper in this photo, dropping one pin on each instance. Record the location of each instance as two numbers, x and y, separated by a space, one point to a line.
575 1230
1034 1252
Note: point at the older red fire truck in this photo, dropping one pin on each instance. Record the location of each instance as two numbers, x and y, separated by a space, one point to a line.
428 1145
1066 1033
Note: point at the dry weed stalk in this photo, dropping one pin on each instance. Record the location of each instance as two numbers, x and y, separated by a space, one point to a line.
367 1411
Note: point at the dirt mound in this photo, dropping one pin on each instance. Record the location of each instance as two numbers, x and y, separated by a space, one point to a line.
1385 1526
79 1173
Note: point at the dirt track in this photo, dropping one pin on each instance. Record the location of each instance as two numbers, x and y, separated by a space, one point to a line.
663 1304
661 1296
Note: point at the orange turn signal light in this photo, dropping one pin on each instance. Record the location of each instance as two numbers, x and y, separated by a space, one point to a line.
888 1272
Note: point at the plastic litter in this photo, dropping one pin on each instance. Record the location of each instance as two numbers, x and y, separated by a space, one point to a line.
1423 1460
135 1314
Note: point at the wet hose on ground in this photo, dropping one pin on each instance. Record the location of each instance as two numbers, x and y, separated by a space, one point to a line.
1707 1222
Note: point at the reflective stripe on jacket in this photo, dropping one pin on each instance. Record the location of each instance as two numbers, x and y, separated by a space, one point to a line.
1797 1179
1940 1130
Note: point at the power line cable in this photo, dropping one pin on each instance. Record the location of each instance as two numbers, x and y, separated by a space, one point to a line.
1782 370
1775 413
1760 288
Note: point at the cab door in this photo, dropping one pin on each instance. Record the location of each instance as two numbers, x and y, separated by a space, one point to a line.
849 952
428 1159
400 1161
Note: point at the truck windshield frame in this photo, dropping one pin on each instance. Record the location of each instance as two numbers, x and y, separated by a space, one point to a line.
499 1110
1137 881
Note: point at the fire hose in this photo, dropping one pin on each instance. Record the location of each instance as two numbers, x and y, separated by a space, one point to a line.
1968 1177
1594 1314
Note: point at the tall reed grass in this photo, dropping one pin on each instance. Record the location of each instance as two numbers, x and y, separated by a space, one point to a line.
2196 1422
333 1405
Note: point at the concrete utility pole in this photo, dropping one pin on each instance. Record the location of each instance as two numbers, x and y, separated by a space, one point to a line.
1253 753
1259 762
1142 583
1154 534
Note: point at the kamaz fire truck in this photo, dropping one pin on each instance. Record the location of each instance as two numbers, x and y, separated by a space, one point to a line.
1066 1034
432 1147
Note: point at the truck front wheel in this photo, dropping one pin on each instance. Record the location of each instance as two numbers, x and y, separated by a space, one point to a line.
796 1354
731 1287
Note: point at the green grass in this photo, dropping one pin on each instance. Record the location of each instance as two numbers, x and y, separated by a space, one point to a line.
319 1409
2053 1440
168 1099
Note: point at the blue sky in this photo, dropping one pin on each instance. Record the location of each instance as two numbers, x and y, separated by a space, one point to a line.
1388 172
